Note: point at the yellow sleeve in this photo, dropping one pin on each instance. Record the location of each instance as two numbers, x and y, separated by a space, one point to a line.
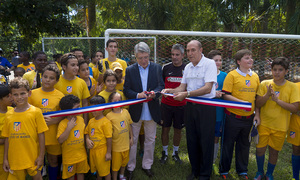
5 130
295 96
262 89
129 117
40 121
61 128
85 92
124 66
86 130
107 129
228 83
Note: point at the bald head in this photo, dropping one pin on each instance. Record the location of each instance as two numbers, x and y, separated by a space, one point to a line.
194 51
196 42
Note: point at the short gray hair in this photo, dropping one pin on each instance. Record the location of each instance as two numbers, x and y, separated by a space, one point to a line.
141 47
178 47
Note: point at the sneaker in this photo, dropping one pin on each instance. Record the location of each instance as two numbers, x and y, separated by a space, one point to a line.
259 176
176 158
224 176
163 158
269 177
243 176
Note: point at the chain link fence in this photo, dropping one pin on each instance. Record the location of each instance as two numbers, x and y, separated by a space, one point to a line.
265 47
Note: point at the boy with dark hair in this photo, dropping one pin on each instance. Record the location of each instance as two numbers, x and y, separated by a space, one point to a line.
47 99
70 135
23 130
276 98
239 85
25 64
98 136
5 105
19 72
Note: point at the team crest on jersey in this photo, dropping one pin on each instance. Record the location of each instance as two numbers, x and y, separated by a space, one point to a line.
77 133
92 132
45 102
122 123
248 83
292 134
70 168
69 89
277 93
17 126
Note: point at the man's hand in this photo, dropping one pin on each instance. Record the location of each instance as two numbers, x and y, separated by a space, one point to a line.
219 94
39 162
150 95
142 95
89 143
180 96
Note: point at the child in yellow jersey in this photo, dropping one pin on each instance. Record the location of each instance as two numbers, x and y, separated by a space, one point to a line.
239 85
26 65
47 99
98 134
5 105
69 83
19 72
293 137
276 98
70 135
94 64
121 138
110 81
23 130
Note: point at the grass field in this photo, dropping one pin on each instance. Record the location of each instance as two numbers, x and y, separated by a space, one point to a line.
174 171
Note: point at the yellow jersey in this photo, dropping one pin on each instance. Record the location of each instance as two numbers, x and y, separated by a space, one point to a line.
30 67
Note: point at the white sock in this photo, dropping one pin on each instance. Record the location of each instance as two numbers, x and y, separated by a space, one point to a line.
175 148
165 148
121 175
216 149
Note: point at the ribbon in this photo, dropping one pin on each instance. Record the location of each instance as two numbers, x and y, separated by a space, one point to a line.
217 102
93 108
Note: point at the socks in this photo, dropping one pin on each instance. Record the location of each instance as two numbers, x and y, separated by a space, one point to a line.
52 171
296 166
165 148
270 169
175 148
260 161
121 176
216 149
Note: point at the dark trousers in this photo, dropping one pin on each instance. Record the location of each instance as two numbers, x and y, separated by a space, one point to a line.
236 131
200 123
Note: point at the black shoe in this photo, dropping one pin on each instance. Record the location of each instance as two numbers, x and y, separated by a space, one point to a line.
163 158
176 158
129 174
191 177
148 172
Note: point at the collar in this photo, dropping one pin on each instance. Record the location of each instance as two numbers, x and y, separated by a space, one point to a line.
244 74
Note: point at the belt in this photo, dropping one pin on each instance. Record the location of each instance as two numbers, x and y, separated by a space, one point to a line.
237 116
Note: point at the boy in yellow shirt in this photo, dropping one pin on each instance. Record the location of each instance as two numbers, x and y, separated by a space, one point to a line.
5 105
70 135
47 99
23 130
121 138
98 134
276 98
239 85
26 65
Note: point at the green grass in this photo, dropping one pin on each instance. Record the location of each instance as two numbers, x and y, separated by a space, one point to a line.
174 171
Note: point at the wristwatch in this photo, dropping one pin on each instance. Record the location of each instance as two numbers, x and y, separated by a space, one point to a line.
188 94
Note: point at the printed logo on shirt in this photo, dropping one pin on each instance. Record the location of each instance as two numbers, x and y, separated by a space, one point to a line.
45 102
292 134
248 83
77 133
122 123
69 89
17 126
70 168
92 132
277 93
174 79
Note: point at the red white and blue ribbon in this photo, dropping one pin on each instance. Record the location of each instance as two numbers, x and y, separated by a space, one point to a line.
93 108
217 102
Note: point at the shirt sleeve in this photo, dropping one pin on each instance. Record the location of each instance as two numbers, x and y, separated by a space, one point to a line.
5 130
211 72
40 121
85 92
61 128
107 129
228 83
262 89
295 94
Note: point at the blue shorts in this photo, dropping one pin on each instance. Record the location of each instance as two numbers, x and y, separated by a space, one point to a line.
218 129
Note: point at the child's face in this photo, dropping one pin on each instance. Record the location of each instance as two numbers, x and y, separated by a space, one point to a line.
246 61
23 58
116 98
279 72
119 73
6 101
72 67
96 113
18 74
49 79
20 96
218 61
110 83
112 48
84 71
74 107
98 57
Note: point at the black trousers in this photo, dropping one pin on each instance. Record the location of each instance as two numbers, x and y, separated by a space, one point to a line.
236 131
200 123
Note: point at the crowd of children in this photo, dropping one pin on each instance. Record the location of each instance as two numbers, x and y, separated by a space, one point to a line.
26 135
